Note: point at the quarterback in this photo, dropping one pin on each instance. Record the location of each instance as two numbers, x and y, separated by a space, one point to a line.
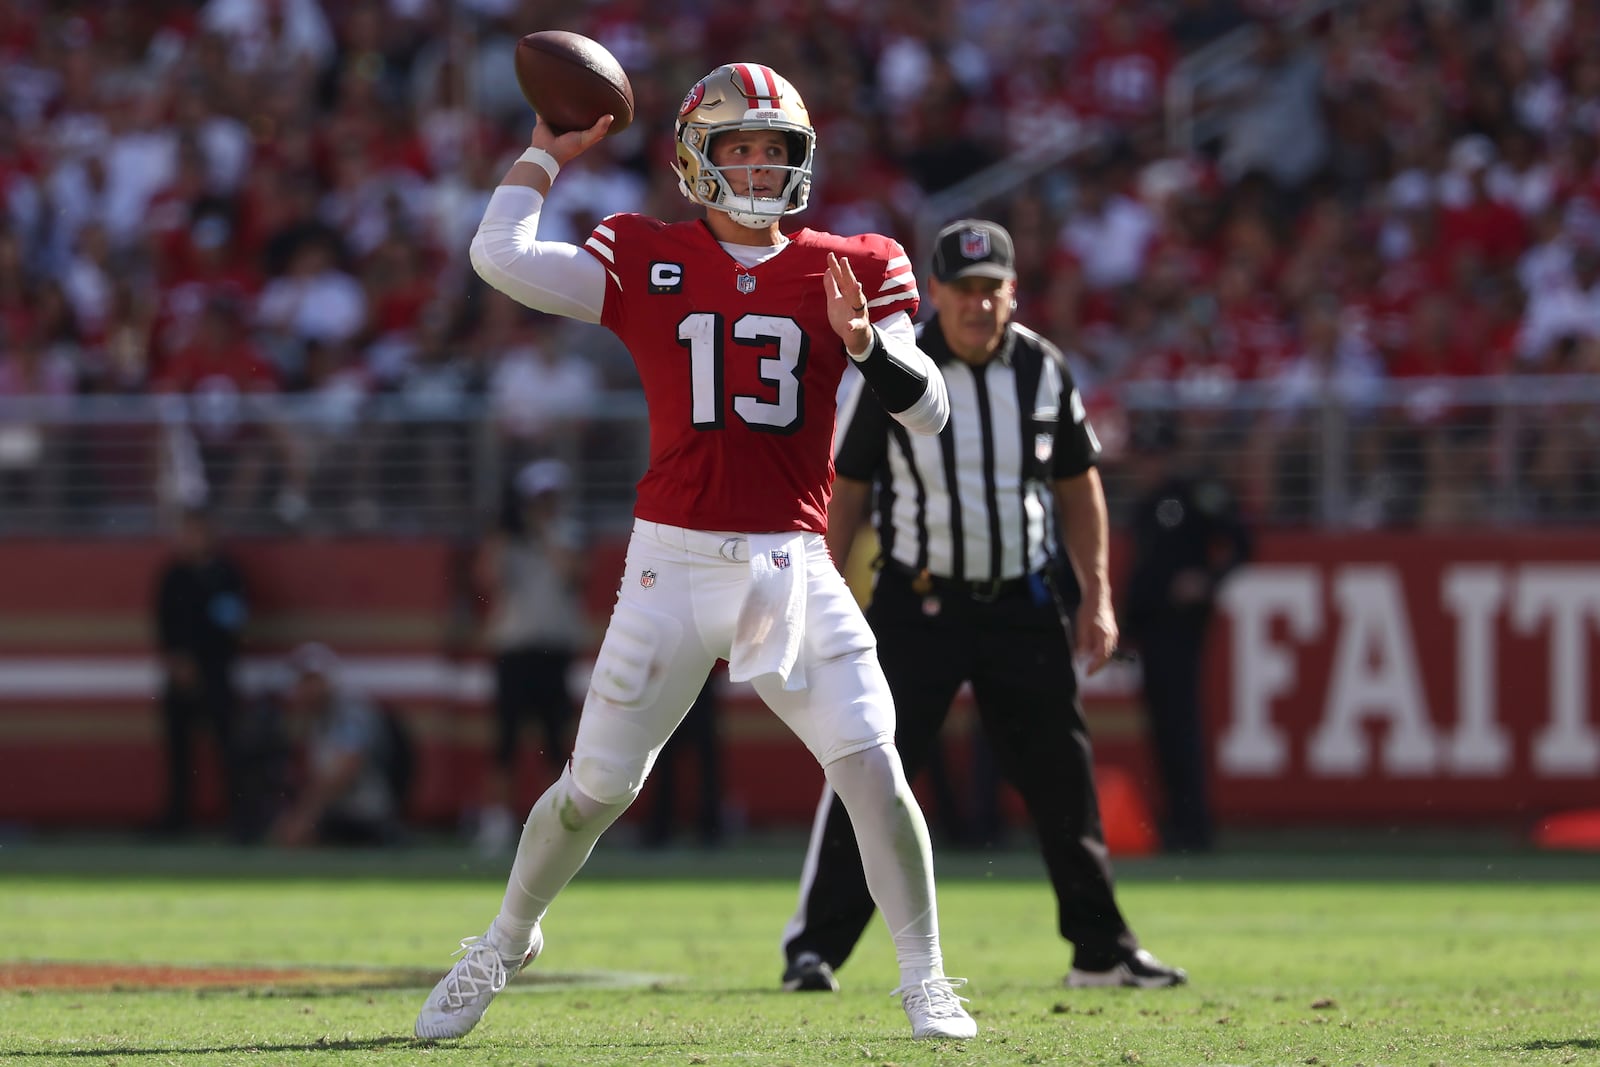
740 334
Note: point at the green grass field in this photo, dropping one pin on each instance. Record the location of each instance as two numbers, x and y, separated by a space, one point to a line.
1342 958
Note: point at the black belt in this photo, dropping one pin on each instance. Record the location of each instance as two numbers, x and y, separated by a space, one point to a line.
985 592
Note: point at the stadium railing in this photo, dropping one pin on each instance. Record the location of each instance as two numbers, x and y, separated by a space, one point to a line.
1507 451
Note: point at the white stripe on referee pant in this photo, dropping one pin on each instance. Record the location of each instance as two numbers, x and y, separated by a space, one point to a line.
808 869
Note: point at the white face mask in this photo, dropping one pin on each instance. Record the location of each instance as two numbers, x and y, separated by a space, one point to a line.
756 212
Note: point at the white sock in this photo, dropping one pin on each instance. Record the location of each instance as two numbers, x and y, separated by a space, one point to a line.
895 854
557 839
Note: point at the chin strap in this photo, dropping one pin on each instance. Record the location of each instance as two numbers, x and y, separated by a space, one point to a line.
754 220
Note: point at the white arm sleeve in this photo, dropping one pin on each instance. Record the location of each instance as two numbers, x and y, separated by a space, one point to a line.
929 414
549 276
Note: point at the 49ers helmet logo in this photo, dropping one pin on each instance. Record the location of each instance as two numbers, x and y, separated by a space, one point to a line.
692 101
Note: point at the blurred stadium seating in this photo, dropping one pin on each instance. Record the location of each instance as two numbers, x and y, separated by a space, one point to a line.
1319 216
1350 250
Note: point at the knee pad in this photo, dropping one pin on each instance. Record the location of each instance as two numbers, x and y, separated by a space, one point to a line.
871 771
607 782
578 808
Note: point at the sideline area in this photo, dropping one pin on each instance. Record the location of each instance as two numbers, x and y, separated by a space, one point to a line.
1358 854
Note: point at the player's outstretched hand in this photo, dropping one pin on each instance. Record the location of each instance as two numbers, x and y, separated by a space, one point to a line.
847 305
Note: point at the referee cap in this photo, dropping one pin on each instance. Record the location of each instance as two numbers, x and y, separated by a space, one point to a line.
973 248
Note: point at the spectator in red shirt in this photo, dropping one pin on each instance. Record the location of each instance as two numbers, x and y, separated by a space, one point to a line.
206 266
1123 73
1474 227
226 441
1437 438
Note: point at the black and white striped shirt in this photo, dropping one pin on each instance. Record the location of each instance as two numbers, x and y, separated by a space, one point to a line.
974 503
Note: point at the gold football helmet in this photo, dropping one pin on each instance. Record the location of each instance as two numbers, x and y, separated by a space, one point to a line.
743 96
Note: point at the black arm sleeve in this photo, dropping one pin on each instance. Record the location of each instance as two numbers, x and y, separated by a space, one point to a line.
896 385
862 441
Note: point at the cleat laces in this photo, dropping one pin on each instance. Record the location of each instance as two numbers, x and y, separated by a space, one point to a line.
938 997
480 971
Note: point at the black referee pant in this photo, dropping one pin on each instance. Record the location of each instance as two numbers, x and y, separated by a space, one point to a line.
1014 650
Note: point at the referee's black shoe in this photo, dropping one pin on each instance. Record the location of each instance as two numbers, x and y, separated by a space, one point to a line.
810 973
1137 970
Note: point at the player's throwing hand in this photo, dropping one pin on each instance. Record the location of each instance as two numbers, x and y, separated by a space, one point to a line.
568 146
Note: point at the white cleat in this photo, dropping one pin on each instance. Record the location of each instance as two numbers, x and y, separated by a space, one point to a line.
935 1011
463 995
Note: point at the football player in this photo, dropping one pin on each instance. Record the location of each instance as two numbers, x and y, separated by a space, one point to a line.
740 333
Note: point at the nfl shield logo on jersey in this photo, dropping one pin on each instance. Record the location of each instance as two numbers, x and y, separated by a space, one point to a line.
647 579
975 244
746 283
780 560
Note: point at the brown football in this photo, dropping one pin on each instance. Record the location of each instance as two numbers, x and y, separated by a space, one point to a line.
571 81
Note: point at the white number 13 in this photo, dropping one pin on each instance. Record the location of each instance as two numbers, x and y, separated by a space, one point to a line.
785 345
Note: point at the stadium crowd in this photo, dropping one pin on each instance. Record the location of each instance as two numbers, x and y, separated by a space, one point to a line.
236 199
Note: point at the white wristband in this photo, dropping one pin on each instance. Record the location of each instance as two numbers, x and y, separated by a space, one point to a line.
540 158
860 357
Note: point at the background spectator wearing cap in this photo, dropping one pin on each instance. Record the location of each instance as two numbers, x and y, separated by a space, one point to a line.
354 759
531 570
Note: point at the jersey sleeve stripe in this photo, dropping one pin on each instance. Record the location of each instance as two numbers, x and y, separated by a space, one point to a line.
600 249
905 296
905 279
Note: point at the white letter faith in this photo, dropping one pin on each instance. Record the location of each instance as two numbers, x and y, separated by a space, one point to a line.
1479 747
1568 596
1374 674
1251 745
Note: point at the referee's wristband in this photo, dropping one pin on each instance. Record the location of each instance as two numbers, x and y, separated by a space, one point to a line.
540 158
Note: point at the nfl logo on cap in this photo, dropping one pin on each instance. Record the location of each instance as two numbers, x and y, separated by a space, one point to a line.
973 248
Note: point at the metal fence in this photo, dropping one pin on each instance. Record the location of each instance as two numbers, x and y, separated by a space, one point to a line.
122 466
1423 452
1441 452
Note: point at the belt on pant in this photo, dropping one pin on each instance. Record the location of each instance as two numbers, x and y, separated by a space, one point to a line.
726 545
985 592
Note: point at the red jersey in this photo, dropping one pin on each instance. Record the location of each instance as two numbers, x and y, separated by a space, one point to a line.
740 368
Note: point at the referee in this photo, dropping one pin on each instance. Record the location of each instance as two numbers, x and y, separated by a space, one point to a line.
968 590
